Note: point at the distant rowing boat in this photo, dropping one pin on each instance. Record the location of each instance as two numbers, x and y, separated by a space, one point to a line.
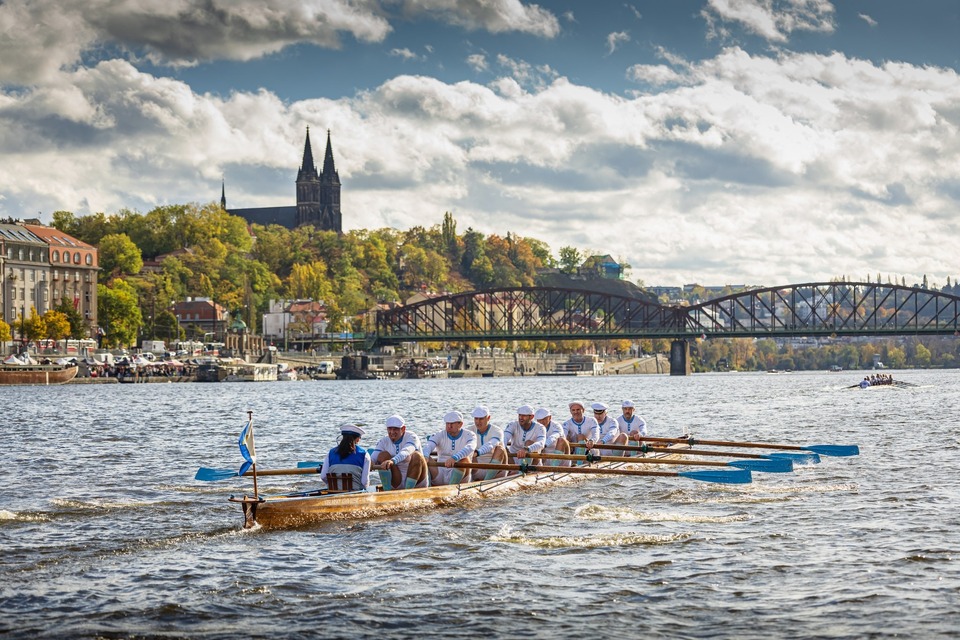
45 374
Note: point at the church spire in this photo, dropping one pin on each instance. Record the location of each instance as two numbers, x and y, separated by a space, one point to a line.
307 165
329 170
223 194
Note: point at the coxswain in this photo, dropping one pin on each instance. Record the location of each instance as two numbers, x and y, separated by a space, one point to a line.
490 448
400 457
630 423
452 445
348 457
555 440
524 436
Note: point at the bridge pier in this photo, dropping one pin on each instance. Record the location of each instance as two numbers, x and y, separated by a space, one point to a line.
680 358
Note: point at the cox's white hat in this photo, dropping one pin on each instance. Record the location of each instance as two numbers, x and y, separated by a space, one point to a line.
453 416
627 404
352 428
395 421
542 413
525 410
480 412
598 406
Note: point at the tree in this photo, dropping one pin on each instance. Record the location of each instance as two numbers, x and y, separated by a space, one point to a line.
119 256
117 310
57 325
31 328
5 335
78 326
570 260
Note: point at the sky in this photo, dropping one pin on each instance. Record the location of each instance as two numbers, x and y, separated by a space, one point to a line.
757 142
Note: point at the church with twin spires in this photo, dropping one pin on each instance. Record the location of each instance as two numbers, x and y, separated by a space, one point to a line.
318 197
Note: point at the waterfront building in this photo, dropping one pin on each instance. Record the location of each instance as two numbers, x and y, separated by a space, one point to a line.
318 197
204 314
42 266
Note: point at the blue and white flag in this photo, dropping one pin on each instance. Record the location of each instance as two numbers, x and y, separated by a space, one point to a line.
247 449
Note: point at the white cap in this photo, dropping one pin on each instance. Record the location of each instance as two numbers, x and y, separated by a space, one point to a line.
542 413
574 403
627 404
453 416
598 406
480 412
394 421
525 410
352 428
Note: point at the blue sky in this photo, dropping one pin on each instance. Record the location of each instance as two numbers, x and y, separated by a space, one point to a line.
719 141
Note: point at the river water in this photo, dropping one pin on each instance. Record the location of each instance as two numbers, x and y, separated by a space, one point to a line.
105 533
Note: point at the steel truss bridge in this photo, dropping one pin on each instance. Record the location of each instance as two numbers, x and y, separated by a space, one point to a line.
541 313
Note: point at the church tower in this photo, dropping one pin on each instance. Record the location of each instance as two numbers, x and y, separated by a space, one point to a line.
330 217
308 188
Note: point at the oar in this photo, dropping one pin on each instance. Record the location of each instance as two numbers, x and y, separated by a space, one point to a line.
768 465
733 476
212 475
822 449
798 458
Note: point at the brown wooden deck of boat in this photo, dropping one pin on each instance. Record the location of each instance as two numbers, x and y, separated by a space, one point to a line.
45 374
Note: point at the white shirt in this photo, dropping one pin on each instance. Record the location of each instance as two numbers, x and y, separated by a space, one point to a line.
588 427
401 449
447 446
554 433
487 441
609 430
516 438
636 423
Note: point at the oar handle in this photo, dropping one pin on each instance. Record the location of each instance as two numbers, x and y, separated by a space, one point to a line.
533 468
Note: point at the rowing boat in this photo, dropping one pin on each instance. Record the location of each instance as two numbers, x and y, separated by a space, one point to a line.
299 509
44 374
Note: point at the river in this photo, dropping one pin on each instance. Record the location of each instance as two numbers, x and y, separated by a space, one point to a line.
105 533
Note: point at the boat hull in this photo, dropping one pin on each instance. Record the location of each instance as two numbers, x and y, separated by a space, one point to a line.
296 510
44 374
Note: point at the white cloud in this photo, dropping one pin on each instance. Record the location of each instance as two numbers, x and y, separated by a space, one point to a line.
870 21
739 168
495 16
615 39
406 54
773 20
477 62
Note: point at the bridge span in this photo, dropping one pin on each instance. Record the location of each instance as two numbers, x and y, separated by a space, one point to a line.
553 314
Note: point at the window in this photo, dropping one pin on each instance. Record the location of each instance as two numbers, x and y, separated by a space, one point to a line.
76 258
20 253
56 256
89 259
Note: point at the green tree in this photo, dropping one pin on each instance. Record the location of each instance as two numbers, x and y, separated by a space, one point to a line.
78 326
117 310
5 335
119 256
570 260
56 324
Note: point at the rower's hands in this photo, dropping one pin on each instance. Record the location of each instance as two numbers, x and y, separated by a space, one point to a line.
449 463
386 465
523 453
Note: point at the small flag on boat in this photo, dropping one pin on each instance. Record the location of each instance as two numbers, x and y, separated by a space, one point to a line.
247 449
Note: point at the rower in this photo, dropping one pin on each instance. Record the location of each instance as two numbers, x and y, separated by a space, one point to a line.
630 423
452 445
555 442
348 458
524 436
609 428
489 443
581 430
400 456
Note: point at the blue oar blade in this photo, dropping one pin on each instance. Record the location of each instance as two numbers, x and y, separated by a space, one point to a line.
771 465
736 476
840 450
798 458
308 464
212 475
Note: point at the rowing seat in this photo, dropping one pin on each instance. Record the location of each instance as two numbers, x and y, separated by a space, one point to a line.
339 482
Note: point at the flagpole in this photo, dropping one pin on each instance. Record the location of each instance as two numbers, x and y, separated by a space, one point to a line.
254 466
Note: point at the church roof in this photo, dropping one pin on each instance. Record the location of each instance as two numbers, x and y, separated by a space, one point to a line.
283 216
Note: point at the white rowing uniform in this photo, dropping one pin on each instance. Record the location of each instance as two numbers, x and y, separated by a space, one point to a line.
587 427
609 430
401 450
516 437
458 448
635 423
554 433
487 441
